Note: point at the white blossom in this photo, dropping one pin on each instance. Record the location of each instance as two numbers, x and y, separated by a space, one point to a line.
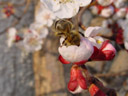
107 12
125 35
32 42
76 53
119 3
45 17
11 36
121 13
65 8
94 10
105 2
91 33
39 30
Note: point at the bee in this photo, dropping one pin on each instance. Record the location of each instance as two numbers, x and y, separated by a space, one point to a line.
65 28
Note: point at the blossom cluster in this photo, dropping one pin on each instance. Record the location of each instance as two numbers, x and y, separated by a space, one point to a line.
91 44
32 37
116 14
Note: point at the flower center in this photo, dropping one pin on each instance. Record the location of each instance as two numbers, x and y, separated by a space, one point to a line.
33 42
65 1
47 16
98 41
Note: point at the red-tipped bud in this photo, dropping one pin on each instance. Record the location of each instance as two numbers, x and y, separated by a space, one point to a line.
18 38
106 52
8 10
77 81
95 53
95 91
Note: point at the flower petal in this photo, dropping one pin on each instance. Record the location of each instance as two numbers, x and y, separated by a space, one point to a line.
67 10
83 2
63 60
92 31
72 85
51 4
126 44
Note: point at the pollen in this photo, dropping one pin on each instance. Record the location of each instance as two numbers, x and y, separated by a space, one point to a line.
65 1
99 42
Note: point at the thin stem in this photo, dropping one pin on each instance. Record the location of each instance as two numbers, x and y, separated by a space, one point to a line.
19 18
122 73
15 5
82 10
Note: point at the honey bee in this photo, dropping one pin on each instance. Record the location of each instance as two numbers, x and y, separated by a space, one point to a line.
66 29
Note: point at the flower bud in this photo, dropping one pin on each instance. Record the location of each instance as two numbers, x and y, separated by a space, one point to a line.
8 10
95 91
106 52
77 81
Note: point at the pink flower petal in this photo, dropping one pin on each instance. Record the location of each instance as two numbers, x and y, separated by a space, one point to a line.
62 60
72 85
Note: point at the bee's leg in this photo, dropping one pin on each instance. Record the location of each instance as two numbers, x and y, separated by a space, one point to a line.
75 39
63 43
66 42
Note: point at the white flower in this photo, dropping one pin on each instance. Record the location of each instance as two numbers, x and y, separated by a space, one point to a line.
11 36
45 17
75 53
124 25
119 3
105 2
94 10
91 33
121 13
107 12
65 8
32 42
125 35
39 30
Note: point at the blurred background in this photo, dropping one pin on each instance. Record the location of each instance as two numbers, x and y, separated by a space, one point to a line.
40 73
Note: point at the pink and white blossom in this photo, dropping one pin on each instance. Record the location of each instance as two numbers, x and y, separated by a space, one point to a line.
45 17
107 12
105 2
119 3
125 35
32 42
65 8
103 50
11 36
76 53
39 30
78 81
91 33
120 13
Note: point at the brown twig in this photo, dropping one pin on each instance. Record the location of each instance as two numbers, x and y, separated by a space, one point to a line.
122 73
93 80
19 18
82 10
15 5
